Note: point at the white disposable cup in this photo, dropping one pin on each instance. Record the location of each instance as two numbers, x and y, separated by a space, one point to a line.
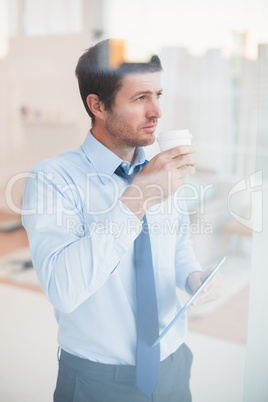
174 138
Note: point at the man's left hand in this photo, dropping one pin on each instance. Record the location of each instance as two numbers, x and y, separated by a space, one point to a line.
212 291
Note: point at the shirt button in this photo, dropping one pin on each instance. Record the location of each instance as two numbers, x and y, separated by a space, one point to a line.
133 233
124 164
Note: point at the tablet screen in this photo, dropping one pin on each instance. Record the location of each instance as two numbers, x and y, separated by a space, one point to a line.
190 301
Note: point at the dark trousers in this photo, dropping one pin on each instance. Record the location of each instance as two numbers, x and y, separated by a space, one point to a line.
81 380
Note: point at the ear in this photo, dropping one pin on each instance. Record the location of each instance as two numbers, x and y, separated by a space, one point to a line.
96 106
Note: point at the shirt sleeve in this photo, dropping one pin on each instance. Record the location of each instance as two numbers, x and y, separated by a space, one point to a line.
71 261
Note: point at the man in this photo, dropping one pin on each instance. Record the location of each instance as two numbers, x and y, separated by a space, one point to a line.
84 213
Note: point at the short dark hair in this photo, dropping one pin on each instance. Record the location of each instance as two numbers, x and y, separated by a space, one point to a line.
99 72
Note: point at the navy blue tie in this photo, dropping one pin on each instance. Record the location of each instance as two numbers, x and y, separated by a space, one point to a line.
147 357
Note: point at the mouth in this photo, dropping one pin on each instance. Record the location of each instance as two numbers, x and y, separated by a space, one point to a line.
150 127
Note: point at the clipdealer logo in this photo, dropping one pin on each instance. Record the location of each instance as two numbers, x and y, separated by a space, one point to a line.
249 186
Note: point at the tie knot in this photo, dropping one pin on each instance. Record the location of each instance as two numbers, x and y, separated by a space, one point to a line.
122 173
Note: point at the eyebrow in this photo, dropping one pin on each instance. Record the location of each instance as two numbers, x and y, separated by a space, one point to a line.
146 93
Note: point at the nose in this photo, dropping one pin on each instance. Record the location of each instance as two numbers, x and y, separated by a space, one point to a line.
154 109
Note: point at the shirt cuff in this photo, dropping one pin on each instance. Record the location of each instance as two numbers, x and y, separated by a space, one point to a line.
130 225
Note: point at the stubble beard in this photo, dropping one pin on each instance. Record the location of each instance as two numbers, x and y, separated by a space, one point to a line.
124 135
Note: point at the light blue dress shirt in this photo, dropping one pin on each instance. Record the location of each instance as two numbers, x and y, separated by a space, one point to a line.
82 245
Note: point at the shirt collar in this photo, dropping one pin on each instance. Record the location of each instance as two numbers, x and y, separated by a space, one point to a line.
105 162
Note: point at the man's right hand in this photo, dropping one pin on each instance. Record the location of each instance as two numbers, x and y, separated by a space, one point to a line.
159 179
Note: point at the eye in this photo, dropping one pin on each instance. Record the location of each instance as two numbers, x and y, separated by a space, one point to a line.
159 95
141 98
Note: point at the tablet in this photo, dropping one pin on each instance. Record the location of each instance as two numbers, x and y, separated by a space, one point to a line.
190 301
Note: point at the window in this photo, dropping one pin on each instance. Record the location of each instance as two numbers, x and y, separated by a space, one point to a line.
215 59
45 17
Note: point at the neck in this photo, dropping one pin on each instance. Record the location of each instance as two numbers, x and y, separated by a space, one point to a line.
124 152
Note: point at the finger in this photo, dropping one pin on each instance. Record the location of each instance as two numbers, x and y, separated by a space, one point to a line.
180 178
177 163
185 171
207 272
178 151
186 159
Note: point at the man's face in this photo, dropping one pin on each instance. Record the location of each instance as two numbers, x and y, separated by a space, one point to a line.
133 118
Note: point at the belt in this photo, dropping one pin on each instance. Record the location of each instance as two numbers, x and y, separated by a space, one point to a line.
110 371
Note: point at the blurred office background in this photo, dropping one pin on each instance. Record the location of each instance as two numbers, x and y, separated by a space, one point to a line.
215 59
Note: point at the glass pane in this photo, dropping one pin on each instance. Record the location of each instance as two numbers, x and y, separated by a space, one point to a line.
262 144
13 14
210 53
50 17
256 386
4 29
